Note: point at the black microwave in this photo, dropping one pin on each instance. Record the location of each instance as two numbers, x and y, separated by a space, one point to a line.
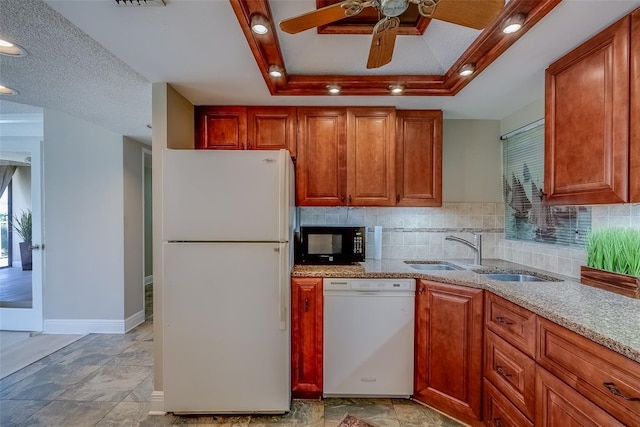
331 245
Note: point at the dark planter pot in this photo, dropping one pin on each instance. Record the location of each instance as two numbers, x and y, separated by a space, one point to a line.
25 255
622 284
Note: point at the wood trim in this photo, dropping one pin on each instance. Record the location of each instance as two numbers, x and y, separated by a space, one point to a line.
634 141
484 50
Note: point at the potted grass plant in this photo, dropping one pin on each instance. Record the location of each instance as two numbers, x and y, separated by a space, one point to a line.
22 224
613 260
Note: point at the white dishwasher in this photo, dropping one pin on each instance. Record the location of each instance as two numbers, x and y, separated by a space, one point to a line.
368 337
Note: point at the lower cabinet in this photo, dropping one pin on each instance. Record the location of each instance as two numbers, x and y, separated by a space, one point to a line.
558 405
448 349
306 338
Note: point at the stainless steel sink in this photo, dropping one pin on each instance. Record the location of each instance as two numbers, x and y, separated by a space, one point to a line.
513 277
433 266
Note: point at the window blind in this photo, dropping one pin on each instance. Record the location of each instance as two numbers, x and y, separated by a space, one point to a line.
527 215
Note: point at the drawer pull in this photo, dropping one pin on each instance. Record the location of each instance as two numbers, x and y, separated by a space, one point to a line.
504 321
612 388
502 372
497 422
306 304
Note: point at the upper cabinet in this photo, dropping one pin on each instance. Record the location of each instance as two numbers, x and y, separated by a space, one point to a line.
246 128
345 156
634 164
418 158
222 128
588 138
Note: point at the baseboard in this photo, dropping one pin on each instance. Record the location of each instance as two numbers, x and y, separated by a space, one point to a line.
133 321
83 326
148 280
156 403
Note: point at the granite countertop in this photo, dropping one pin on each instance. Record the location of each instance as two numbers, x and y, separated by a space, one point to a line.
607 318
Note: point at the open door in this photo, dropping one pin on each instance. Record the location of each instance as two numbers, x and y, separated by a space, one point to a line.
21 281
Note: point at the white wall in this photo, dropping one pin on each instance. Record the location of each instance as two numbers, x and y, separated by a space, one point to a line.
471 161
83 188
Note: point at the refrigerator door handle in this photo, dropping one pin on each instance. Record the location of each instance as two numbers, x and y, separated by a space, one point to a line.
282 292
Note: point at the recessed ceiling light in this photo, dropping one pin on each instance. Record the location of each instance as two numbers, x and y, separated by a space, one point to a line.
259 24
275 71
11 49
333 90
467 70
514 23
7 91
396 89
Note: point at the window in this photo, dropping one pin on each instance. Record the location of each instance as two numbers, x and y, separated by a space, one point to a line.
527 216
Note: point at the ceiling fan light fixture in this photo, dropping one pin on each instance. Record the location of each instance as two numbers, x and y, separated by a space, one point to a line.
275 72
467 70
259 24
333 89
7 91
514 23
396 89
11 49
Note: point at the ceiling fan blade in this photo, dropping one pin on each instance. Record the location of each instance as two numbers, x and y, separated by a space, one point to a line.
468 13
384 39
315 18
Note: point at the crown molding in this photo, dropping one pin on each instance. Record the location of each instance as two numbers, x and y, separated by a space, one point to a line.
489 45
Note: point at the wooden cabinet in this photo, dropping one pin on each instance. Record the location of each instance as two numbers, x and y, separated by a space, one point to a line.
306 338
272 128
245 128
515 324
448 349
321 165
603 376
634 164
587 119
345 157
223 128
558 405
418 158
499 411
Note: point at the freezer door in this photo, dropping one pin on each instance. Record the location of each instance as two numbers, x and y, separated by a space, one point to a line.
220 195
226 336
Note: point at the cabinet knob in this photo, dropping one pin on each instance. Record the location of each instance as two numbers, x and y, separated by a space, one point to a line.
342 198
249 146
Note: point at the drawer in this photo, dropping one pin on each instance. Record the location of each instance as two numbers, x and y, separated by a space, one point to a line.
499 411
558 405
605 377
511 322
511 371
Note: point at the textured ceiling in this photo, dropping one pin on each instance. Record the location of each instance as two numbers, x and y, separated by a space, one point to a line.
105 77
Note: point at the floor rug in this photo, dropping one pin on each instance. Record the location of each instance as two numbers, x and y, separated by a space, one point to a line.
353 421
20 349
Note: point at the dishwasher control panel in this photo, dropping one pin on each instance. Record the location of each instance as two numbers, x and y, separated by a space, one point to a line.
387 285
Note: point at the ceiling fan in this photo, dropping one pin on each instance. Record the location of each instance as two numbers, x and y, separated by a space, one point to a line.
468 13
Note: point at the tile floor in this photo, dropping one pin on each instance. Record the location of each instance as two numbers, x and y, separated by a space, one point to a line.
106 380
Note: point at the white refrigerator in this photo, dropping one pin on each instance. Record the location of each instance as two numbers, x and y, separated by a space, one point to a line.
228 220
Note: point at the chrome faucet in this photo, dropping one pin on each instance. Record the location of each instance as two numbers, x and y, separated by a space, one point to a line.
476 245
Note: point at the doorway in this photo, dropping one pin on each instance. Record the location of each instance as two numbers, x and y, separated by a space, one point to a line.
21 277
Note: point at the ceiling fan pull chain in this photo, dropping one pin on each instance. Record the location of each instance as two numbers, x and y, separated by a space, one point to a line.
353 7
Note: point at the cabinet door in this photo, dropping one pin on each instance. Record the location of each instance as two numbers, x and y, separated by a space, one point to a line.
448 349
223 128
587 121
321 160
370 156
306 338
418 158
272 128
635 109
558 405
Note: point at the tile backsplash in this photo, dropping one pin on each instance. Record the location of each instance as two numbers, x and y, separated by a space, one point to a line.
419 233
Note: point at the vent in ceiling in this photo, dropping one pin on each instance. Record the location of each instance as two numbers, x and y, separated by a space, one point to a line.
140 2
